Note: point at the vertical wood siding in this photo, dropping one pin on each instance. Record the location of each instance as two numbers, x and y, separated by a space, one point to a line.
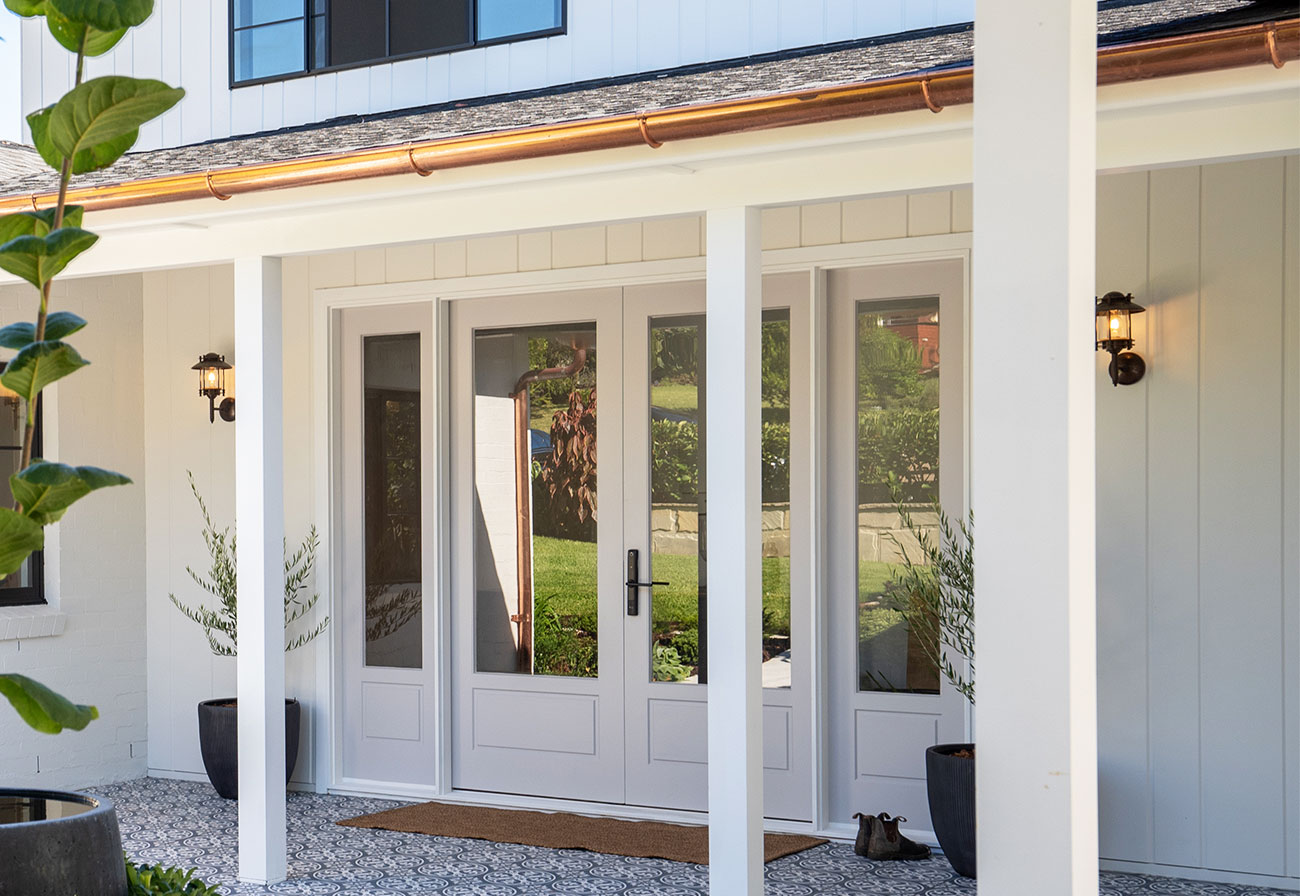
1197 519
187 42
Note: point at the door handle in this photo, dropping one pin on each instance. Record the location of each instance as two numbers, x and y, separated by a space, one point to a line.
633 586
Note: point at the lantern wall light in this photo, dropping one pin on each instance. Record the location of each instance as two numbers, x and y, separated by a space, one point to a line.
212 385
1115 311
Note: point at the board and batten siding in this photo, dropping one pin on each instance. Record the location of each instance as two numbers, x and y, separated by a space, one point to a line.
186 43
1198 509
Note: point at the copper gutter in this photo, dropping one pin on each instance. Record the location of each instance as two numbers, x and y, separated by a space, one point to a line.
1273 43
524 501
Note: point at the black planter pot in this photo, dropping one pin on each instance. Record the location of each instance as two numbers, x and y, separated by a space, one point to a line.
55 843
219 742
950 785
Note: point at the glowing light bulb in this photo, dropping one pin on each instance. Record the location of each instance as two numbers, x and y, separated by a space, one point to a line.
1114 322
212 374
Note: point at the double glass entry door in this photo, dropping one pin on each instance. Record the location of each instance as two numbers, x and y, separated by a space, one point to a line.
579 606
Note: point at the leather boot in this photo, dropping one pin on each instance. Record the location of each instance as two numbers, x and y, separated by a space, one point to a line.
885 842
865 824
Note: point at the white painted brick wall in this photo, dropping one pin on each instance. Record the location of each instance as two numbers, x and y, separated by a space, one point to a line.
98 654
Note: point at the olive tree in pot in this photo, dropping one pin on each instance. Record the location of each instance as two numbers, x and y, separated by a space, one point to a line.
218 719
935 594
62 842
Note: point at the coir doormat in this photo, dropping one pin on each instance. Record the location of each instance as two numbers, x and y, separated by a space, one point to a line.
563 830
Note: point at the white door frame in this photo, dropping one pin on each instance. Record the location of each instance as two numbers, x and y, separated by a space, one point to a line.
810 260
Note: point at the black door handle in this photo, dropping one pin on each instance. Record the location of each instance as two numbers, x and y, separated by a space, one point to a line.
633 586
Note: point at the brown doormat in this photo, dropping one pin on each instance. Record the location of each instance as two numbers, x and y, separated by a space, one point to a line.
563 830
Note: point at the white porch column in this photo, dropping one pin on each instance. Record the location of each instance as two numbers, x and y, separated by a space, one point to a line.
259 520
1033 445
734 306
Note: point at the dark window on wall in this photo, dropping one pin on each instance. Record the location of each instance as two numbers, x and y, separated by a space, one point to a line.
275 39
27 584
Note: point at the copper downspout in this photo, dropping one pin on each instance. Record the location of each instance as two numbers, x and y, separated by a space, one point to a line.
1272 43
524 501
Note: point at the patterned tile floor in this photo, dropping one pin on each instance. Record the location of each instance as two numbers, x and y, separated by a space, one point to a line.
187 824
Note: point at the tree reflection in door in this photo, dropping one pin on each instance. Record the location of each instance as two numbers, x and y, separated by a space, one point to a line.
897 439
678 515
535 549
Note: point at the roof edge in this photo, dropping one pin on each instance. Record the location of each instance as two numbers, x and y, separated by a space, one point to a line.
1274 43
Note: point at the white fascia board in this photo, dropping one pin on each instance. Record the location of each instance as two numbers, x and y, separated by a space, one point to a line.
1163 122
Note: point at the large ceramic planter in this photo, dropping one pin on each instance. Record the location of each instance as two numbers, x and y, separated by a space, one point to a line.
56 843
950 785
219 742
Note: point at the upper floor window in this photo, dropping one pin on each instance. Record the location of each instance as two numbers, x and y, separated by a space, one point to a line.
278 38
27 584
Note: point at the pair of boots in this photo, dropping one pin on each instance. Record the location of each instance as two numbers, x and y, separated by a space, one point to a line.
878 838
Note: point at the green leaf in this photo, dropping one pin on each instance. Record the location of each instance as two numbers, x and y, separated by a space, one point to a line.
43 709
37 259
106 15
46 490
103 111
38 365
19 536
38 223
71 34
26 8
92 159
57 325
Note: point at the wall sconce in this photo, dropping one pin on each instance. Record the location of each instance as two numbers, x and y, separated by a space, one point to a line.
1115 335
212 385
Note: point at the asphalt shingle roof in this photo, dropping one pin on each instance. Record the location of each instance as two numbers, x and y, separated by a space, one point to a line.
17 161
1119 21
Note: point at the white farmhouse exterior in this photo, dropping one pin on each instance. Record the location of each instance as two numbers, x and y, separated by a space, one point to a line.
404 228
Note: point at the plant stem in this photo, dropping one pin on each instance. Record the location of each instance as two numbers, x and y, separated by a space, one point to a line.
42 313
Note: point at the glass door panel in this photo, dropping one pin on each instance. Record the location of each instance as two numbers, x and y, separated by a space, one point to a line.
678 511
535 482
678 520
391 433
897 462
774 452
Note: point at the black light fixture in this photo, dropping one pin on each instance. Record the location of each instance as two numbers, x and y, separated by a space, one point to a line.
212 385
1115 335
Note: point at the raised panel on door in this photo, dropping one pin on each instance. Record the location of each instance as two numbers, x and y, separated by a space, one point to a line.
383 598
536 590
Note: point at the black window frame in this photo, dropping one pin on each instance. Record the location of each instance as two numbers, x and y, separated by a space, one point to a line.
32 595
309 44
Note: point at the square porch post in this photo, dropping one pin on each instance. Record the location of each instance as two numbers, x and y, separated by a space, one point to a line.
734 306
259 522
1033 461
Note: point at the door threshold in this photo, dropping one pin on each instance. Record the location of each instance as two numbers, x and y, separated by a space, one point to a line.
552 804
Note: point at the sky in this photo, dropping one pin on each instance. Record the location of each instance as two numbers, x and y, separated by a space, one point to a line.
10 95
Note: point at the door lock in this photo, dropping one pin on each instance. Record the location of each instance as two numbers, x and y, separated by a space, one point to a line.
633 586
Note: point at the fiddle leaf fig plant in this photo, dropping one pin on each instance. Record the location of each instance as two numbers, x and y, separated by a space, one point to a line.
88 129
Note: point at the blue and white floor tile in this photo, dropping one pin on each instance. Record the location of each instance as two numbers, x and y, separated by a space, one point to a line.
187 824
